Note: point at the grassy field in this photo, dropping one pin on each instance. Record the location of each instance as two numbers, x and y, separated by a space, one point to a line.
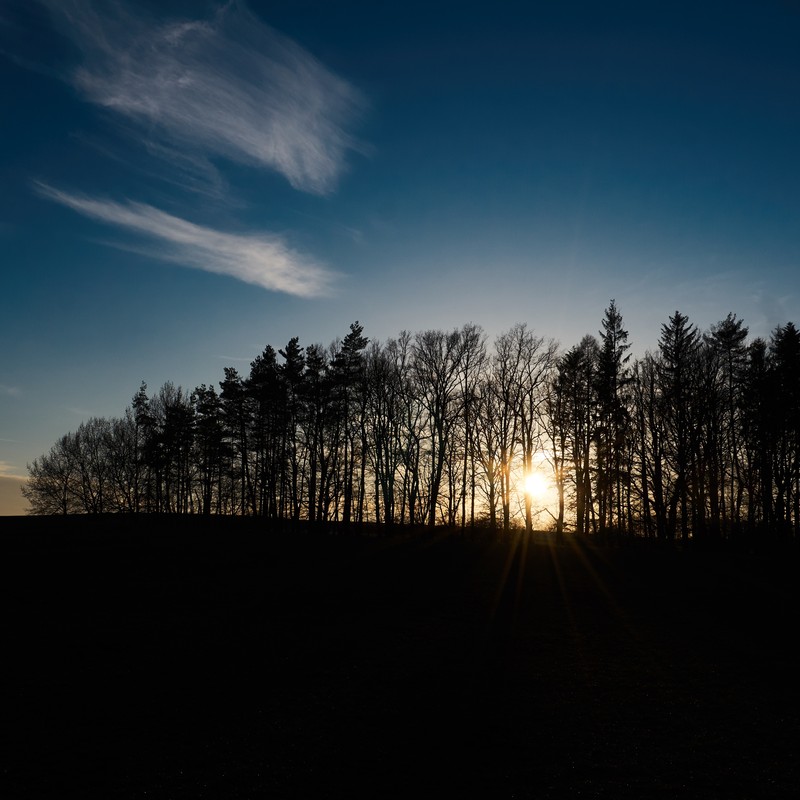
188 659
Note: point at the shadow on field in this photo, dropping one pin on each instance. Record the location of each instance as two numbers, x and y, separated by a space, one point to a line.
192 658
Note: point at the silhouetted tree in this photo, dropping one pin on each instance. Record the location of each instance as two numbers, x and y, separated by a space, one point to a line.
784 429
679 346
211 452
488 421
122 463
265 391
386 406
727 338
506 382
472 366
650 445
576 423
50 488
235 403
313 419
699 437
412 431
350 396
436 369
292 377
613 378
534 361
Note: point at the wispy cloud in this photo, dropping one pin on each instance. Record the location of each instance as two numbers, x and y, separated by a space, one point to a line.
229 86
9 391
261 259
9 471
193 172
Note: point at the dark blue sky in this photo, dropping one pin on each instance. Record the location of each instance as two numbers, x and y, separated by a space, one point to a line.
186 182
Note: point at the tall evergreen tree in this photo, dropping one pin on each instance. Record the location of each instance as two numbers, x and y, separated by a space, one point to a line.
350 391
679 345
237 422
210 455
784 428
575 422
292 374
613 378
728 338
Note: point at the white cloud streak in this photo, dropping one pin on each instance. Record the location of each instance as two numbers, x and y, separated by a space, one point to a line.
260 259
9 471
229 86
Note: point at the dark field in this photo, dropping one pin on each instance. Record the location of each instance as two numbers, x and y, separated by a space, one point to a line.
223 660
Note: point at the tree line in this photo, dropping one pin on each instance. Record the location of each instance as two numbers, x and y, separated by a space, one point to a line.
698 438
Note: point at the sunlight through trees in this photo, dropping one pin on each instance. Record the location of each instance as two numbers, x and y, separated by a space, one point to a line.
698 438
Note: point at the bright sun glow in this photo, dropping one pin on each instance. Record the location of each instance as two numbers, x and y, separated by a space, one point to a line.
535 484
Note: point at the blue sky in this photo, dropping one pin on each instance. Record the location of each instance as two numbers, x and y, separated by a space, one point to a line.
187 182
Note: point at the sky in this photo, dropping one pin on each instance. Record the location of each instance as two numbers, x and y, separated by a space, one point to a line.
186 182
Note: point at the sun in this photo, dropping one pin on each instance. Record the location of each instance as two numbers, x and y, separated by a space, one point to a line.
535 484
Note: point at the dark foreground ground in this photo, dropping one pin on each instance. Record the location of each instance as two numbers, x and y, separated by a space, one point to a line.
231 662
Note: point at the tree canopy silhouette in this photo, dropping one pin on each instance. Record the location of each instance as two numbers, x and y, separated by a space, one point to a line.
699 438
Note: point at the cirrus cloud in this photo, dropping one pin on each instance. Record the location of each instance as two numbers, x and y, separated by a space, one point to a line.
264 260
228 86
